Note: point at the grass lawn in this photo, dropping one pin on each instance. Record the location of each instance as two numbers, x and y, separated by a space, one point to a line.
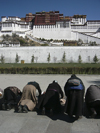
44 65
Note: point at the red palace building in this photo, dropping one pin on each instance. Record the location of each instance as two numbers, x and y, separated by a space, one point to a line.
46 18
43 18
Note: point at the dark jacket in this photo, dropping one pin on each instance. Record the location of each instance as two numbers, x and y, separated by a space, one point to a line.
55 87
51 98
92 93
68 86
75 97
12 93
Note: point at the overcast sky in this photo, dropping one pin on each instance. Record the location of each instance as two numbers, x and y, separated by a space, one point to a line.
20 8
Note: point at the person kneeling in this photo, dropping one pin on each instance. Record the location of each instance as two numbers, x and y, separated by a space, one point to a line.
28 100
11 97
92 100
50 100
74 91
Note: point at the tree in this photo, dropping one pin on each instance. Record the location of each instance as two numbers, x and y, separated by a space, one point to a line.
79 59
64 57
17 58
3 36
32 60
22 42
2 59
92 43
95 59
14 35
48 58
79 42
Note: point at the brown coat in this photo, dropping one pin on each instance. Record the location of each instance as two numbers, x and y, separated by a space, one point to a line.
29 97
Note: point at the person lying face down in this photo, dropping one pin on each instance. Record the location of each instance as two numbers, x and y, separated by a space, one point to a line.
49 101
92 100
74 90
28 100
11 97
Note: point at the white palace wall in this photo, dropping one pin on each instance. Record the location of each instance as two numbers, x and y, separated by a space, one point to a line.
87 38
56 54
52 32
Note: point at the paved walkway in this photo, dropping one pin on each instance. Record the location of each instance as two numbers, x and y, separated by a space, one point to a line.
30 122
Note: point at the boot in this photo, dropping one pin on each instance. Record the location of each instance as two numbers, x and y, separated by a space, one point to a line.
20 109
25 109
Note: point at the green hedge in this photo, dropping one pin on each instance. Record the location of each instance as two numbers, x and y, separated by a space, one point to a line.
51 70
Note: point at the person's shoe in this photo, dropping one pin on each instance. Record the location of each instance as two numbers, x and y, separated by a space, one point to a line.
43 111
9 107
25 110
4 107
20 109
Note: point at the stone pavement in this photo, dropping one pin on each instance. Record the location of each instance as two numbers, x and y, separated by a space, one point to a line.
31 122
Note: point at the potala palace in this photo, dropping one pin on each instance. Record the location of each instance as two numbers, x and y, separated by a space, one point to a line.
52 25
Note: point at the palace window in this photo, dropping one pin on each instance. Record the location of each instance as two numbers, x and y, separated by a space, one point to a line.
7 24
64 25
24 26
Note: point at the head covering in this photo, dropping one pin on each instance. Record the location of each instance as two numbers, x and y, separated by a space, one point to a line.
73 75
1 93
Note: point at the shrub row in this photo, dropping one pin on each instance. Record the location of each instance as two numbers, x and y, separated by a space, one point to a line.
51 70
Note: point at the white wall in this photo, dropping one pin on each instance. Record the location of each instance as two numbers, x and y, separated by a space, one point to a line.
87 38
97 34
72 53
57 33
52 32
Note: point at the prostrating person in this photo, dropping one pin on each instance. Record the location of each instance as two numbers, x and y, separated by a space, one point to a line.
11 97
28 100
50 100
74 90
92 100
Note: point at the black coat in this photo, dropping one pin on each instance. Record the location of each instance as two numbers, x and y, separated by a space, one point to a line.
51 98
92 99
67 85
12 94
92 94
75 98
55 87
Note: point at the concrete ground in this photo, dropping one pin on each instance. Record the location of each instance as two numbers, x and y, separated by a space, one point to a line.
31 122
